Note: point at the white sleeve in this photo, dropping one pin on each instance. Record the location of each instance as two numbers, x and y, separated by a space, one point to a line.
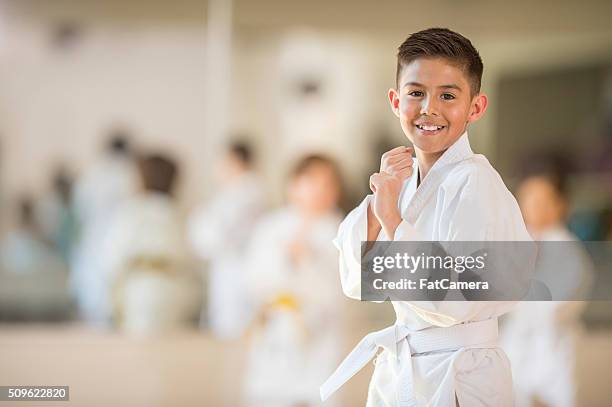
204 232
352 232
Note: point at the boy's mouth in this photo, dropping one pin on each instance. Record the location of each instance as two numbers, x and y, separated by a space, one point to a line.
429 129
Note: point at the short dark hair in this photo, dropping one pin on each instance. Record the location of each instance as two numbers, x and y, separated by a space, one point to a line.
27 215
118 142
62 184
442 43
158 173
309 161
556 167
243 151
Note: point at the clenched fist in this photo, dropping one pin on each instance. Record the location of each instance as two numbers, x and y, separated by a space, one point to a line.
386 189
395 166
397 162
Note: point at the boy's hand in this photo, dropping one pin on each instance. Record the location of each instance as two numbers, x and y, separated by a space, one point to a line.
398 162
386 190
297 251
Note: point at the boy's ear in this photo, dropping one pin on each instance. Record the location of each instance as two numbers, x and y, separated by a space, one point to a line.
394 101
478 108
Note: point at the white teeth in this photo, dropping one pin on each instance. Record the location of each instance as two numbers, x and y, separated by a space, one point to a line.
429 128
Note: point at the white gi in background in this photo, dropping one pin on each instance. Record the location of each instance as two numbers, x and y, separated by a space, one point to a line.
541 337
219 232
22 252
295 342
33 277
462 198
146 256
100 191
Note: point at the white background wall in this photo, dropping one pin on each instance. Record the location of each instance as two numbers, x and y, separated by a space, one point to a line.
142 64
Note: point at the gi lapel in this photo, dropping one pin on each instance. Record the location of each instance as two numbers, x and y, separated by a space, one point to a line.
459 151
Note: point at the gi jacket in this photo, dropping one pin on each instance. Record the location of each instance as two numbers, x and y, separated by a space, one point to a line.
462 198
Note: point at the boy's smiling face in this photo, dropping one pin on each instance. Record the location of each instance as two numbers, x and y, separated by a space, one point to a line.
434 104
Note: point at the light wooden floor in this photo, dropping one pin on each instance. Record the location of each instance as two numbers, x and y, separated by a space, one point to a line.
188 369
108 369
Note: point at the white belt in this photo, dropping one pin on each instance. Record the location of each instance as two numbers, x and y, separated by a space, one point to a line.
454 338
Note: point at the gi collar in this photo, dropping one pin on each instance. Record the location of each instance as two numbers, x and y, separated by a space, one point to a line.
459 151
412 207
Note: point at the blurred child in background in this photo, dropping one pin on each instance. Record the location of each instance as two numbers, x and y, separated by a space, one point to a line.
541 337
292 274
104 187
24 250
153 290
33 277
219 231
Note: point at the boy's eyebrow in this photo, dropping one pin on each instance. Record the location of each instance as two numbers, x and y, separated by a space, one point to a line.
451 86
420 85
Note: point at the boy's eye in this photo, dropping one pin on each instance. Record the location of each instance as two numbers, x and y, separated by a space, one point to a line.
448 96
415 93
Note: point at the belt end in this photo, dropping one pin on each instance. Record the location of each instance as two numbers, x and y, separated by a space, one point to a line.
324 393
323 398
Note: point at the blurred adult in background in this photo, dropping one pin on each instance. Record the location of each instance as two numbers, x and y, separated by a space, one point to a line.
153 289
33 277
219 231
292 268
540 337
102 188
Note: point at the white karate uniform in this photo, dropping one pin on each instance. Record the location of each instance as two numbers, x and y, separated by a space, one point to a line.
293 349
101 190
22 252
33 279
462 198
541 337
146 255
219 232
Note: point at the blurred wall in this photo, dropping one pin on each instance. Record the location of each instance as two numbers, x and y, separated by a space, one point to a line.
70 69
59 96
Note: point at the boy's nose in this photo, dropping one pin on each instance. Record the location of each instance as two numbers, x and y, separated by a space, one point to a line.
428 107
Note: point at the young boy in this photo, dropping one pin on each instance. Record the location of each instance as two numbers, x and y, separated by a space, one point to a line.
438 353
